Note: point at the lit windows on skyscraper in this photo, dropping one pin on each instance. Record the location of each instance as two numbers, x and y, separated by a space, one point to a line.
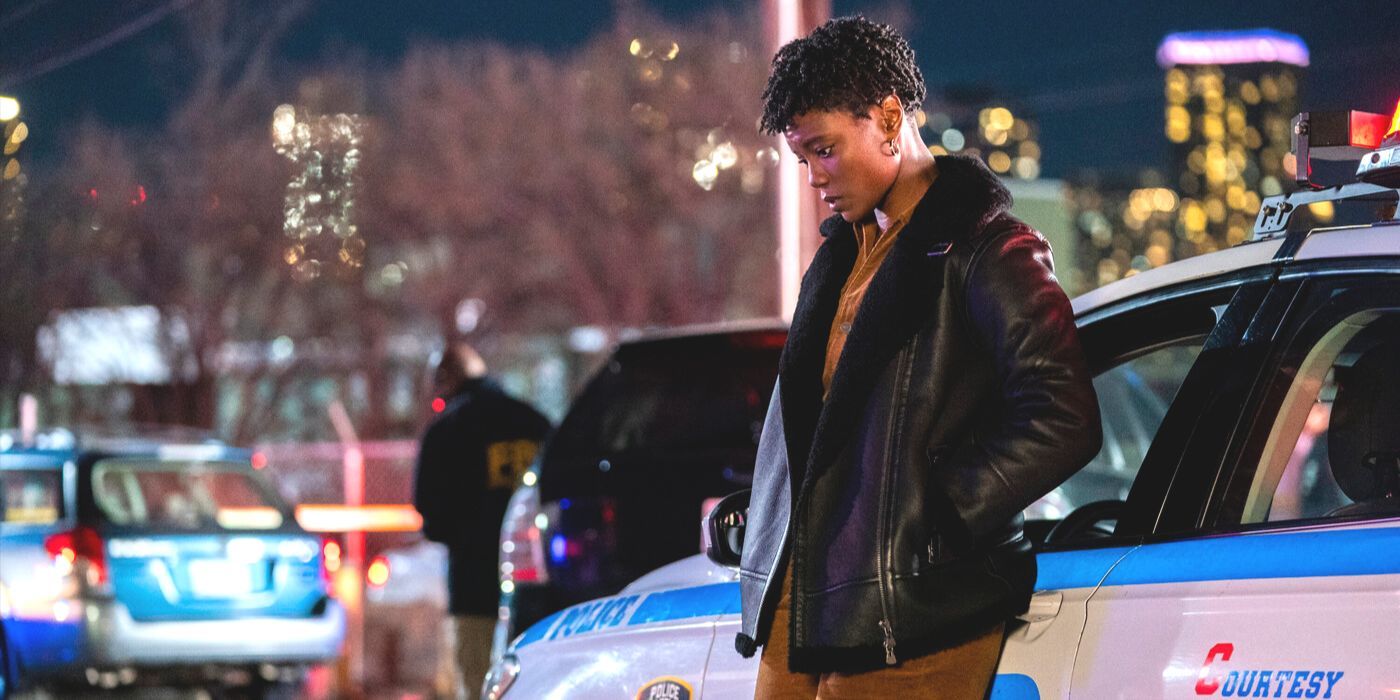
1229 99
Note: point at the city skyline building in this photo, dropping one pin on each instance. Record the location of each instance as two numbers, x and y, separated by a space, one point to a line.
1230 97
976 121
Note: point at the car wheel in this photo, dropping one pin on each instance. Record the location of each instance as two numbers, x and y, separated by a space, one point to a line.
7 677
4 669
259 691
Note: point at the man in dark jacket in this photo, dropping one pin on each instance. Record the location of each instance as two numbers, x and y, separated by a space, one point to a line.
471 458
931 388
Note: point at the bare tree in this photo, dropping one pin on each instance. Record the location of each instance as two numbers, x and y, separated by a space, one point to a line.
561 190
621 184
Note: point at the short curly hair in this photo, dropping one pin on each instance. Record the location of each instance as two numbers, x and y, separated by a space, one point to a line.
849 63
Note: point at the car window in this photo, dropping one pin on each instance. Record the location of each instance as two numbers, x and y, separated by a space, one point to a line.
678 395
183 495
1140 358
1324 441
1330 450
1133 400
31 496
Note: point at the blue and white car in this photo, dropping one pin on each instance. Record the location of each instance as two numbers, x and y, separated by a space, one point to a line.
1238 536
142 562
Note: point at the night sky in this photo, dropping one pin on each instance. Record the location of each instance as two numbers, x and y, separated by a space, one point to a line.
1086 69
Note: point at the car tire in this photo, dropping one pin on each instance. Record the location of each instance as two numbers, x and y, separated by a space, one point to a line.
4 668
9 672
259 691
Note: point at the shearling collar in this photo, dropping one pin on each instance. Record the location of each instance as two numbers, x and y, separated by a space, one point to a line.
901 299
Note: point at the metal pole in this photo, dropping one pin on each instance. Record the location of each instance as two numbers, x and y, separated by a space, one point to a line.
353 572
28 418
799 209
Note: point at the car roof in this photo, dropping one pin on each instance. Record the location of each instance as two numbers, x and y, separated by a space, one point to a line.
136 449
758 325
1369 241
1240 257
62 444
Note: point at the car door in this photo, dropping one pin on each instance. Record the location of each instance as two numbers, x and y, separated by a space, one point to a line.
1153 356
40 621
650 645
1142 351
1274 566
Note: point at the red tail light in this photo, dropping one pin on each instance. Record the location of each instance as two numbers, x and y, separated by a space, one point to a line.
330 559
378 572
81 546
521 551
526 575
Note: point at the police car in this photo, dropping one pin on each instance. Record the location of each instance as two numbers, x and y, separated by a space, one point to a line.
137 561
1239 535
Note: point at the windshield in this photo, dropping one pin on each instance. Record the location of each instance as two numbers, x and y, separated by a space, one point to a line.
183 495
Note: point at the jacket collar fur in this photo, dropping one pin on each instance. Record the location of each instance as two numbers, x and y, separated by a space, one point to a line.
900 301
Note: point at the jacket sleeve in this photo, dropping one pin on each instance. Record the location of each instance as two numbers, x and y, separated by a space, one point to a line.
1046 424
432 490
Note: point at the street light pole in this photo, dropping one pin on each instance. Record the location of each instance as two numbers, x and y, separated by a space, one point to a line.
799 209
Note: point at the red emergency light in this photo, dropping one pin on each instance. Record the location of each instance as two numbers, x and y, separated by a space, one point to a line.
1346 136
1394 130
1339 135
1381 166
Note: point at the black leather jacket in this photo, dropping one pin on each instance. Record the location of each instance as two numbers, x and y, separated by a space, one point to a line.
962 396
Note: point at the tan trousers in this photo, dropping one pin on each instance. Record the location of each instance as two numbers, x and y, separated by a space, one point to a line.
470 639
963 672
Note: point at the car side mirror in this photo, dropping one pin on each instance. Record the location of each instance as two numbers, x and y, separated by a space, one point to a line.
724 529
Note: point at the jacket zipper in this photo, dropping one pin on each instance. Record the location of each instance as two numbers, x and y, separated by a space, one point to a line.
889 643
882 533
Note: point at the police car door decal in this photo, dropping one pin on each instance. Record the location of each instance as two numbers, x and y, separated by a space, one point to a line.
1295 614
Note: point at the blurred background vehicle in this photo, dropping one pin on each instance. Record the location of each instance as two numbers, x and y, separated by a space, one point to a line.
405 608
138 562
670 422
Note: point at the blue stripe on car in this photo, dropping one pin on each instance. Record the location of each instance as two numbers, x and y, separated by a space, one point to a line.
537 630
1014 686
1080 569
1232 557
1289 555
682 603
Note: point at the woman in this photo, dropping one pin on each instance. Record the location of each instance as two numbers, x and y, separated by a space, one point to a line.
931 388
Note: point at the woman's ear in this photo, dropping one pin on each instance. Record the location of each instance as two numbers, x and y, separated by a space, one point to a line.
891 116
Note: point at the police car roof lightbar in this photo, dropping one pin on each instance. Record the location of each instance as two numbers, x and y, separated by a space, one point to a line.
1382 166
1335 136
1275 212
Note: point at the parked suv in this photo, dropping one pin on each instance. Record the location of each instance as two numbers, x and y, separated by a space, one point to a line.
670 422
131 561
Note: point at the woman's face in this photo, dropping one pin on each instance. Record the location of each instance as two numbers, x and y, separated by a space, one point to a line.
845 159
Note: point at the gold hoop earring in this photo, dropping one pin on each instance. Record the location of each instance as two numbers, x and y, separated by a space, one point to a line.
893 148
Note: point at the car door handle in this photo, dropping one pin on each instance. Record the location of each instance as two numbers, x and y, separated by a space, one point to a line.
1045 605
